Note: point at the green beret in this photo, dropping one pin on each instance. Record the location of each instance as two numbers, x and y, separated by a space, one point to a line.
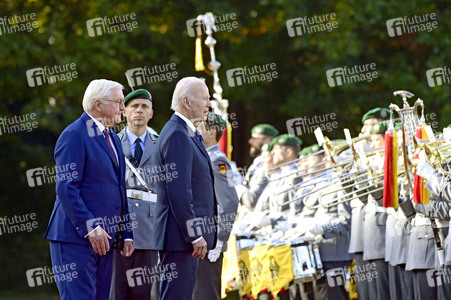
138 94
268 147
265 129
380 127
378 113
215 120
310 149
287 140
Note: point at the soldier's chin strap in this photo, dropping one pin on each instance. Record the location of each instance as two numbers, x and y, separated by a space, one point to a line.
140 179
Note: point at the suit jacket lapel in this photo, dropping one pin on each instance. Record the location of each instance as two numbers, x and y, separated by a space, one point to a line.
118 146
191 134
101 139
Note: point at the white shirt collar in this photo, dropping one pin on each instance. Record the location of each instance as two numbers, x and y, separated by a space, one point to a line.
99 125
132 137
187 121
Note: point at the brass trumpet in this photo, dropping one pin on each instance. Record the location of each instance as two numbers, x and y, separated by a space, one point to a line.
345 198
333 150
438 155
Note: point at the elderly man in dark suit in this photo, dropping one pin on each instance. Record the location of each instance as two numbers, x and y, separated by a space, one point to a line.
88 208
185 215
138 144
208 280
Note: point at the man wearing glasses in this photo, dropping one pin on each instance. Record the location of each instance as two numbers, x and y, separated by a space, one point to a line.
88 208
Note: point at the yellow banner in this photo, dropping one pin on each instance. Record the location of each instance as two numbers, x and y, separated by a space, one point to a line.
230 270
245 273
281 268
260 271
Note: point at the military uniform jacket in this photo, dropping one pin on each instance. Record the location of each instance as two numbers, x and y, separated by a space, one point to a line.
273 196
422 250
336 224
144 211
399 235
374 228
225 193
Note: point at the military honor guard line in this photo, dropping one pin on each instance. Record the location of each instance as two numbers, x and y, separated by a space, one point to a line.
358 218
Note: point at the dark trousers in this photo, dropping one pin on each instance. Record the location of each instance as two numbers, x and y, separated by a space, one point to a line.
332 286
394 278
179 287
146 260
444 290
406 282
421 286
361 270
93 271
208 279
380 283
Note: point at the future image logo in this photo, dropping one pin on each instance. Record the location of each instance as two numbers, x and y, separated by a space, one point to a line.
351 74
110 25
256 73
407 25
51 75
438 76
309 25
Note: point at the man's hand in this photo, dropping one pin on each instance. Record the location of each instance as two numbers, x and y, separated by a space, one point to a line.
214 254
200 249
128 249
99 241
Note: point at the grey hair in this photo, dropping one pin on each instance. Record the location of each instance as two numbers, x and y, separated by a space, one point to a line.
98 89
184 88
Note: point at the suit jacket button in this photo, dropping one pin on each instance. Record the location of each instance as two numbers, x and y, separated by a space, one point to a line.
136 204
77 228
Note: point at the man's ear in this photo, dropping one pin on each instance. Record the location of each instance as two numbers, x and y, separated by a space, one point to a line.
186 102
97 105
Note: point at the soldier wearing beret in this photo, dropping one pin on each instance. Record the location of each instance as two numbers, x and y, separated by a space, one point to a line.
286 148
208 278
260 134
138 144
372 117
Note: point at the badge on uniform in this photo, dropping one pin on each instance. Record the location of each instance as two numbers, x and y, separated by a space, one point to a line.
222 168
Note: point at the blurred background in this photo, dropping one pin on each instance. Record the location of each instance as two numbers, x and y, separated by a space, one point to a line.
161 36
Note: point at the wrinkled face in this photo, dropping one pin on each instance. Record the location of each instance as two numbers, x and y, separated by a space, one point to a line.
112 107
138 112
199 103
256 142
377 140
367 125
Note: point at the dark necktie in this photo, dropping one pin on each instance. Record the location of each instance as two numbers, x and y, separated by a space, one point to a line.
199 136
138 150
107 137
